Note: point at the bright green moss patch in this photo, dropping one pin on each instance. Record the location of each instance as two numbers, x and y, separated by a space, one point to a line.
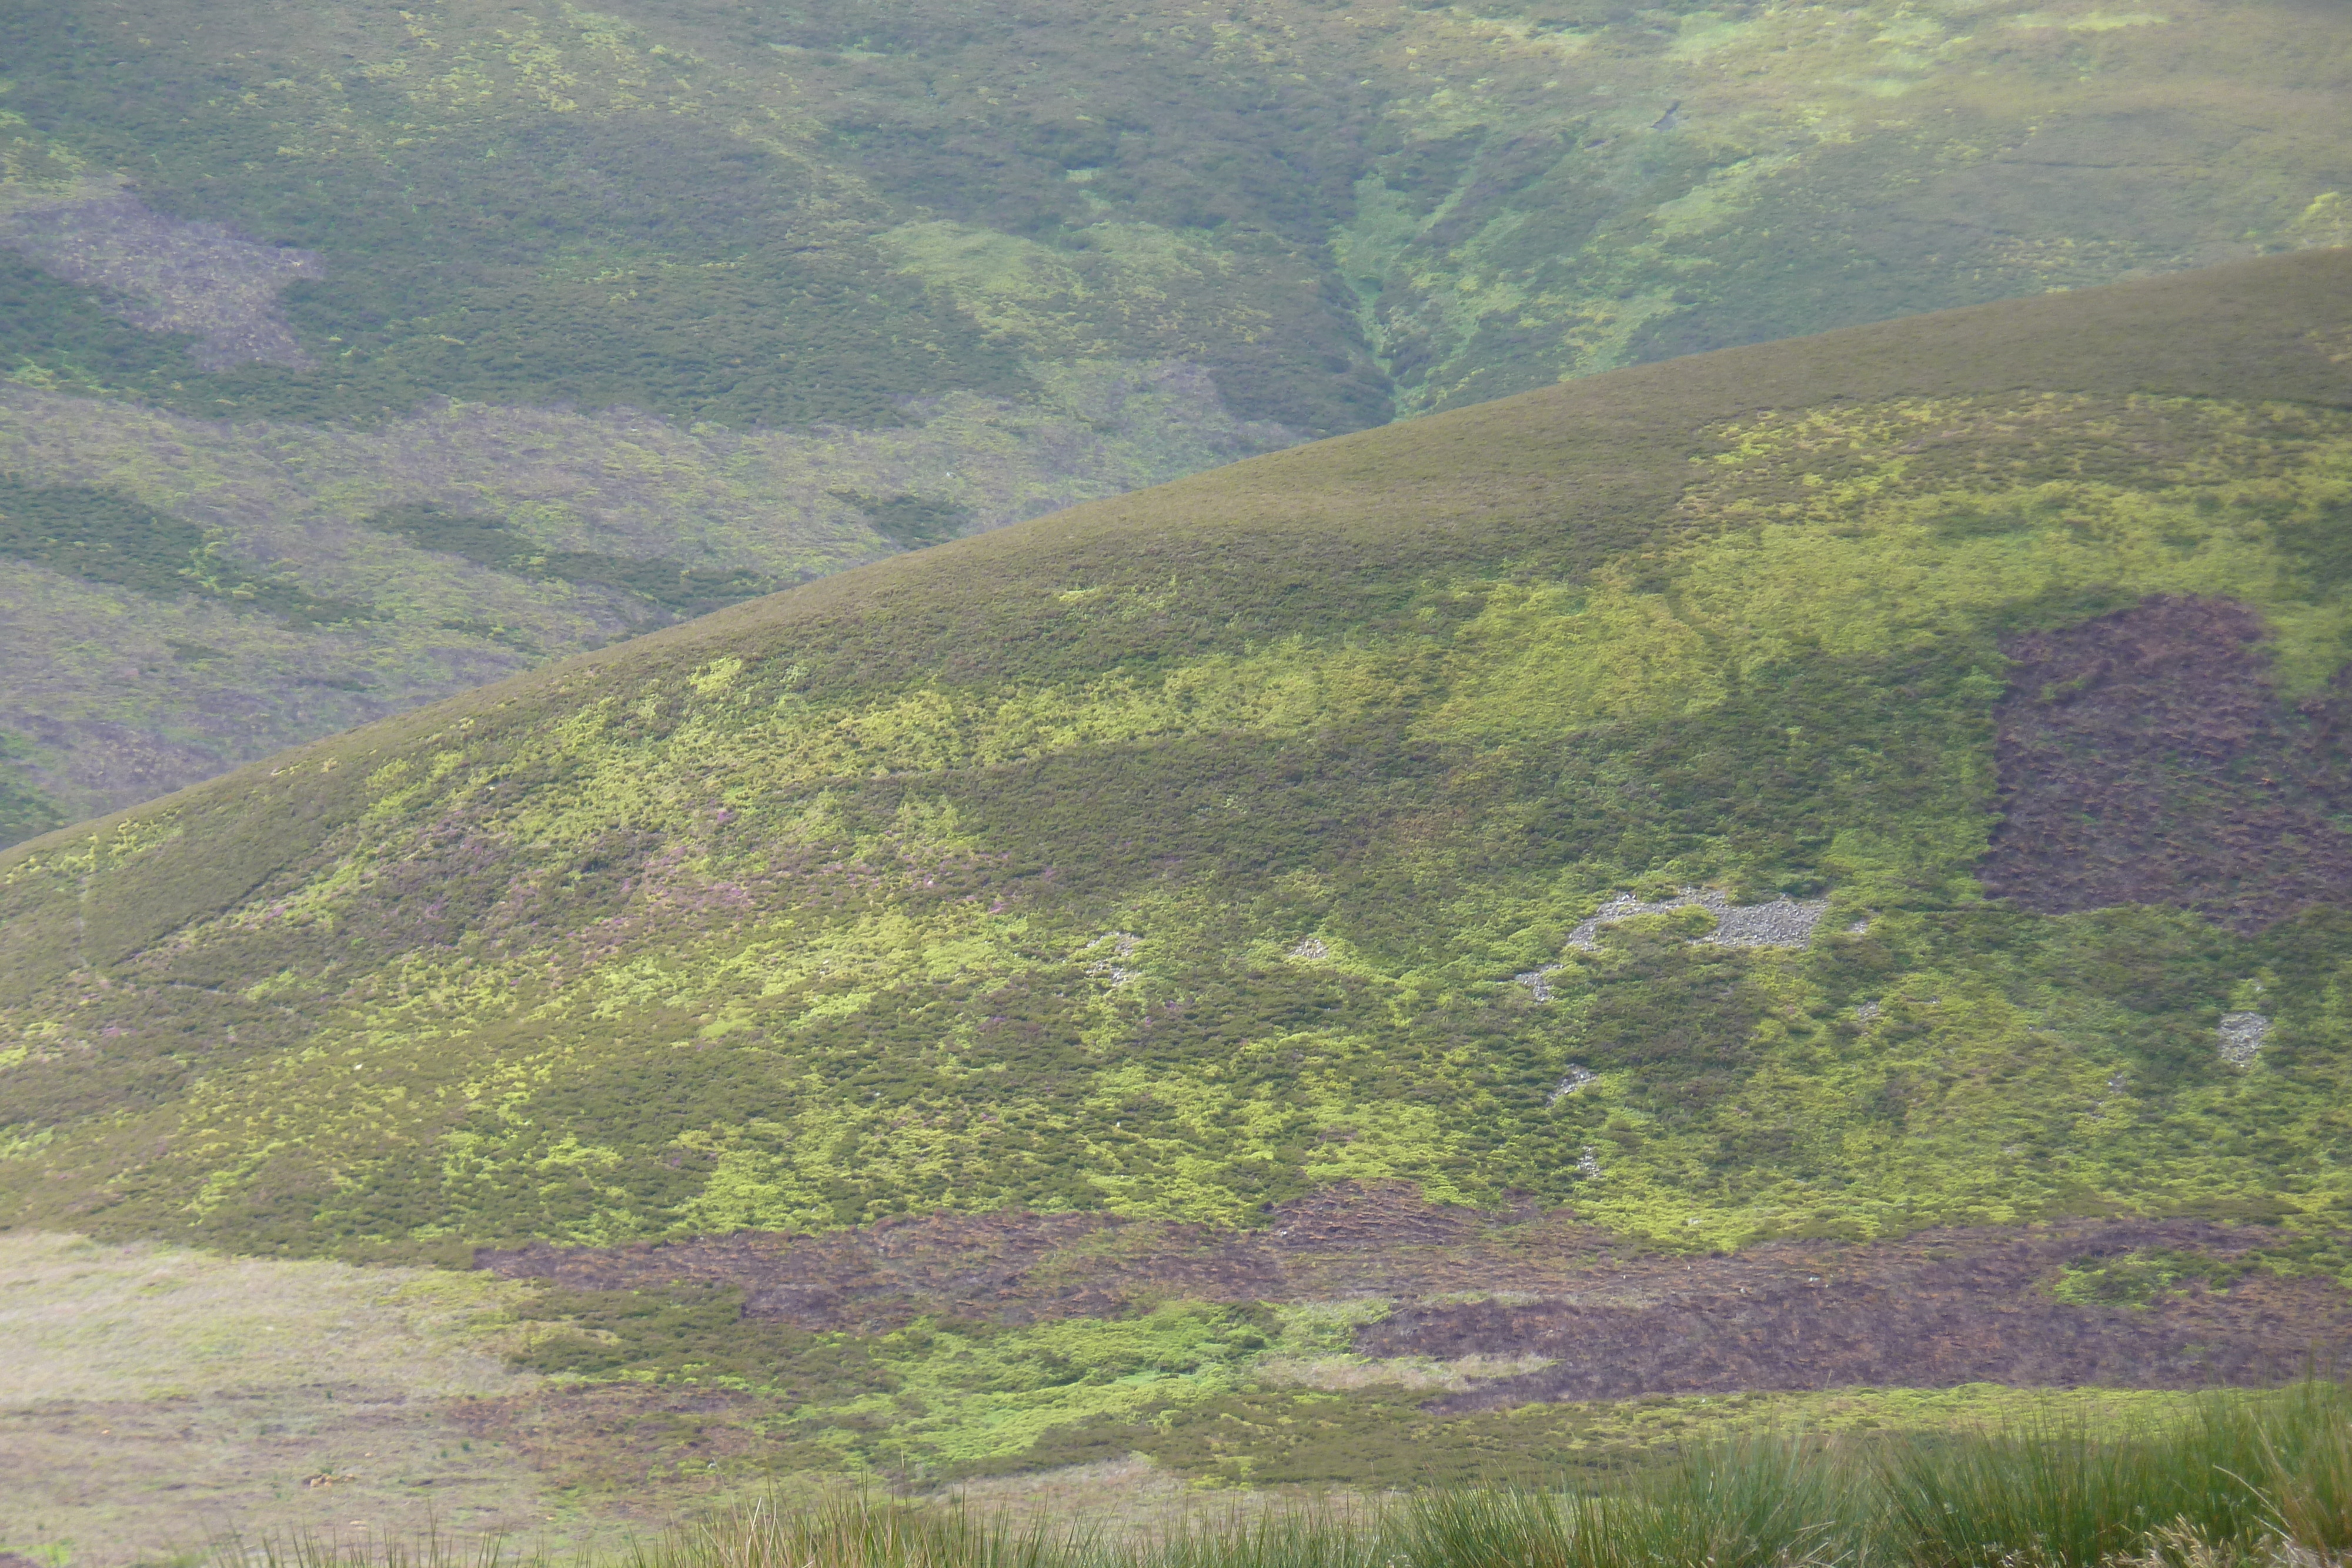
959 1394
2139 1278
2148 1276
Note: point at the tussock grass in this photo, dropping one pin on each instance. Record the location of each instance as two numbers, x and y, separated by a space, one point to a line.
2235 1473
2262 1482
857 1531
429 1548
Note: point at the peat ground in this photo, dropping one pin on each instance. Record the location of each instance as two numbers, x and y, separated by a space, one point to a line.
2128 1303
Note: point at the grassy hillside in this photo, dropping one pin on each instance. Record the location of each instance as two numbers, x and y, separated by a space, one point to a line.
690 300
1793 798
1289 771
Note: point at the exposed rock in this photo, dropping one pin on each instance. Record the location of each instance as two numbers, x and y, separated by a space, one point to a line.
1577 1077
1783 922
2242 1036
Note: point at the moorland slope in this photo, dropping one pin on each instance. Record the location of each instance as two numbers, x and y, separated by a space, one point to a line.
1830 803
1186 852
356 355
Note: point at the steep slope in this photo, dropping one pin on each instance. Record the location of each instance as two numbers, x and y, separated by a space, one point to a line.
357 355
1320 819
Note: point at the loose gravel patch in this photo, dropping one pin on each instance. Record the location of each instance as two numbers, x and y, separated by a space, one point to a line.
1784 923
2242 1036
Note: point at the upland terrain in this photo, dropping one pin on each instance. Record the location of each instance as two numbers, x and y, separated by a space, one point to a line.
357 355
1805 882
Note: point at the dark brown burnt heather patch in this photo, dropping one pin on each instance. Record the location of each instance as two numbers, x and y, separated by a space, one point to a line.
1011 1267
2144 758
1933 1311
1936 1309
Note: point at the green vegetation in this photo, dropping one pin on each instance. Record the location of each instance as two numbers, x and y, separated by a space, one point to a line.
2235 1480
910 522
24 811
814 213
2251 1482
954 1397
2146 1277
500 286
2141 1279
494 543
109 538
1175 867
1183 857
870 273
64 337
1248 1395
673 521
1201 850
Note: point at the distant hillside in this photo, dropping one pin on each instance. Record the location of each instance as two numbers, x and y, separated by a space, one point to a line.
1889 779
359 355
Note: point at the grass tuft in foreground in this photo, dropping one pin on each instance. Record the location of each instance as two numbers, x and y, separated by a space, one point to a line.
432 1549
2262 1482
857 1531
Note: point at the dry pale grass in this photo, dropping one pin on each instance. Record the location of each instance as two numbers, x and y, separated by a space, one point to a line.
84 1320
152 1397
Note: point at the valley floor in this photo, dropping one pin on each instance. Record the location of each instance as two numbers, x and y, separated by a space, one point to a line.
1051 1368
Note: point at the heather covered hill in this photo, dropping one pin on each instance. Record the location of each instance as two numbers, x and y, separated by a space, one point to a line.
1621 796
1805 866
356 355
